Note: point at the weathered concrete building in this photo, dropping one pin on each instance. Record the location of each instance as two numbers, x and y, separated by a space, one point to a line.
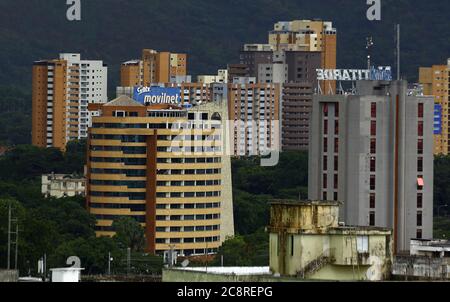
428 260
308 241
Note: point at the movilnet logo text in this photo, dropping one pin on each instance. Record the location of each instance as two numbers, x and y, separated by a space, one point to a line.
74 10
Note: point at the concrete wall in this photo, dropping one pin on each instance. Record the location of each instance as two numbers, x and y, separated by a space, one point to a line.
189 276
9 276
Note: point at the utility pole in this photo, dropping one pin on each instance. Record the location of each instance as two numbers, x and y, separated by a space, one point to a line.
17 245
16 239
8 263
128 260
109 263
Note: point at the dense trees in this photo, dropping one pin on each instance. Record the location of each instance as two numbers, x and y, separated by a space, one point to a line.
62 227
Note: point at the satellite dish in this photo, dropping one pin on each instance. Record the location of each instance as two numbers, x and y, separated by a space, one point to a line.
185 263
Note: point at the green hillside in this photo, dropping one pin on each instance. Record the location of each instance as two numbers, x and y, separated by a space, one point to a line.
211 31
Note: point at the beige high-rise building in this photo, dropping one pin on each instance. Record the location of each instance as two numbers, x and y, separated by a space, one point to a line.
154 67
62 90
295 38
164 166
436 82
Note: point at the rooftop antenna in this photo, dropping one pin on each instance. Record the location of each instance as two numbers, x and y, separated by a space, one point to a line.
369 45
398 52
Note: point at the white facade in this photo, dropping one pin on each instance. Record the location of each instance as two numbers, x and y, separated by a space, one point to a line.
93 88
60 185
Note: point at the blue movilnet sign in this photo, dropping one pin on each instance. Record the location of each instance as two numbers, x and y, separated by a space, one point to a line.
157 95
437 123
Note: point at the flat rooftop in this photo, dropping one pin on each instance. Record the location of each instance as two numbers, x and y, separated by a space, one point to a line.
238 271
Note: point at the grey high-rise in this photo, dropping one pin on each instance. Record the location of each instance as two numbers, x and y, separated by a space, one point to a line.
373 150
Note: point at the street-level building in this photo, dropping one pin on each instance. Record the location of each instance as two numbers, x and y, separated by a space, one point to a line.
162 165
374 150
62 90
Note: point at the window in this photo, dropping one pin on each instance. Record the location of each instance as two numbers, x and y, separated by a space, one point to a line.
373 128
372 164
325 127
419 234
336 163
362 244
336 127
372 182
336 112
419 218
325 163
420 164
324 196
372 219
372 200
325 144
420 146
336 181
335 197
325 180
336 145
325 110
419 200
373 110
420 110
420 128
420 182
373 146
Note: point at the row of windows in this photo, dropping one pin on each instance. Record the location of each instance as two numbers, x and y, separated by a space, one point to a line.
187 217
123 138
189 172
188 194
138 218
189 183
188 240
129 195
124 149
190 149
192 160
127 172
132 207
188 137
180 229
208 205
131 184
126 161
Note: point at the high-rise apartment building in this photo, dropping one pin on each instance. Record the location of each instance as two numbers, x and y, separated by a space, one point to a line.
296 109
436 82
162 165
154 67
254 116
62 90
373 151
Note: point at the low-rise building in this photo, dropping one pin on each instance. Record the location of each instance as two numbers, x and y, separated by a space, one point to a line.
428 259
62 185
308 241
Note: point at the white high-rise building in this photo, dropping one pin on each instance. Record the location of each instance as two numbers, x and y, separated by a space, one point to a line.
92 83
